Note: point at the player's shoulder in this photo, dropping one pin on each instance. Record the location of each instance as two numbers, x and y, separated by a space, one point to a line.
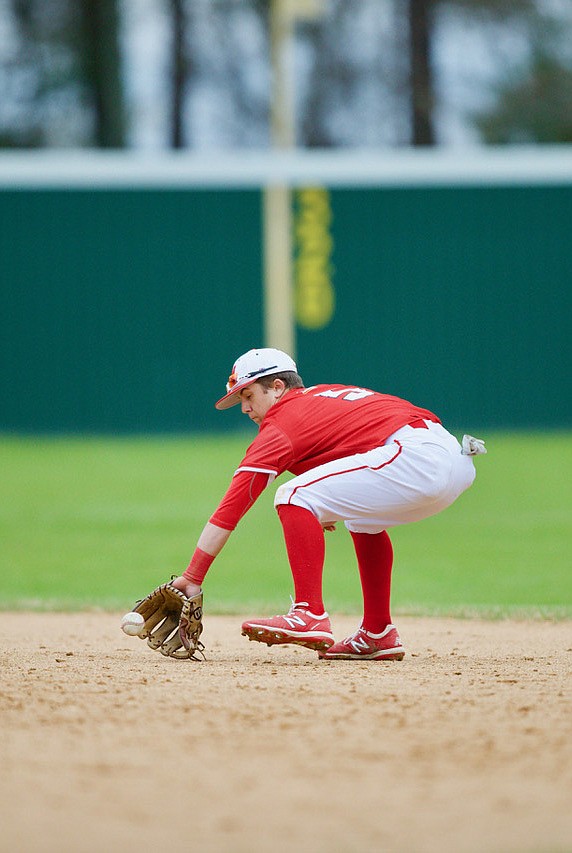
339 391
312 392
299 399
318 390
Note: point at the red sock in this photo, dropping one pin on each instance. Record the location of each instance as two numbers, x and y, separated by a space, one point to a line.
374 553
306 549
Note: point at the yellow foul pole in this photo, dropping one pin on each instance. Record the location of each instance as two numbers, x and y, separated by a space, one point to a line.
279 323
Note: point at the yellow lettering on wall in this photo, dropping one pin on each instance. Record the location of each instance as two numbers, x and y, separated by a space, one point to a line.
314 291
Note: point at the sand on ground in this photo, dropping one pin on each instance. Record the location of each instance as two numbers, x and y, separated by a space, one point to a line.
105 745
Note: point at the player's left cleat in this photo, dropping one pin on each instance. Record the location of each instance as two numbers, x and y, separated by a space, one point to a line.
299 626
363 645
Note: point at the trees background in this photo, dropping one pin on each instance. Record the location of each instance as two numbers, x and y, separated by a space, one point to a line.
198 73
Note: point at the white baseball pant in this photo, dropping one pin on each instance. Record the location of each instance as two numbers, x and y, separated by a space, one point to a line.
416 473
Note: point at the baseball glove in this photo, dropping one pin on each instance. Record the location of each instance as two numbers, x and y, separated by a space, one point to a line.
173 622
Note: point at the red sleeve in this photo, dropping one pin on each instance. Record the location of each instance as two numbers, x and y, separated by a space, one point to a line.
245 488
271 452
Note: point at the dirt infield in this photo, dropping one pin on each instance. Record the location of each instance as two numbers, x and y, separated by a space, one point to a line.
466 745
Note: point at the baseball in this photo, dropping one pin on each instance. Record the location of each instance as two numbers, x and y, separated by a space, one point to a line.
132 623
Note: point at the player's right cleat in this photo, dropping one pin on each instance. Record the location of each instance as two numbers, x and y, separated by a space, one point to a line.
299 626
364 645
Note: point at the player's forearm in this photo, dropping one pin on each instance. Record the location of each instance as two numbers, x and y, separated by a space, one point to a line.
211 542
213 539
245 488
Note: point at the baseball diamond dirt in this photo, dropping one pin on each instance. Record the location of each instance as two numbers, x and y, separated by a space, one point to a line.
466 745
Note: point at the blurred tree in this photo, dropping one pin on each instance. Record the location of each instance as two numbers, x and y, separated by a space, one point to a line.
532 101
334 77
534 108
228 72
179 71
423 24
368 72
65 74
99 63
420 26
403 69
356 89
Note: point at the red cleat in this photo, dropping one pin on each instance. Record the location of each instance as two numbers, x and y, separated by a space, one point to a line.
364 645
299 626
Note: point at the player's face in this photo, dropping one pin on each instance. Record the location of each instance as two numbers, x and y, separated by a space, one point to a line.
255 401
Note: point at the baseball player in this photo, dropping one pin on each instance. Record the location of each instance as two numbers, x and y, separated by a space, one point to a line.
369 460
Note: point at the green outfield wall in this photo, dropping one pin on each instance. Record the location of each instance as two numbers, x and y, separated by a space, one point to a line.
459 298
122 308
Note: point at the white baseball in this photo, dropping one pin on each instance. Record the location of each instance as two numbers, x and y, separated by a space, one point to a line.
132 623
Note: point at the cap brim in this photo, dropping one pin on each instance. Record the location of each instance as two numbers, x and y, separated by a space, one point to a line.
233 397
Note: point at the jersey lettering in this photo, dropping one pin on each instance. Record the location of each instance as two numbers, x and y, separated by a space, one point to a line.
345 394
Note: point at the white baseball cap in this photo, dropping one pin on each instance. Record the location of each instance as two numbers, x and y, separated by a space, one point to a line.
252 366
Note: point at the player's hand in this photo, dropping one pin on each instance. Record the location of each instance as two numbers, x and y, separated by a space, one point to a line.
329 527
187 587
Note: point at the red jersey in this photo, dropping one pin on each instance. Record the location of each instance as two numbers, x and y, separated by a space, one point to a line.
308 427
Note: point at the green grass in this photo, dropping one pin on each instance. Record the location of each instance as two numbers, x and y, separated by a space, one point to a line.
97 522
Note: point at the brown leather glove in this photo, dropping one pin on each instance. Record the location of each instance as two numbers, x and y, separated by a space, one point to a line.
173 622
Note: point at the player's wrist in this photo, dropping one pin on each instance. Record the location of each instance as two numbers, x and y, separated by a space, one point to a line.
198 567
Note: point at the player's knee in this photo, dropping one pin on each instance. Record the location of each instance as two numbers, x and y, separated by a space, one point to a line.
286 494
282 495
